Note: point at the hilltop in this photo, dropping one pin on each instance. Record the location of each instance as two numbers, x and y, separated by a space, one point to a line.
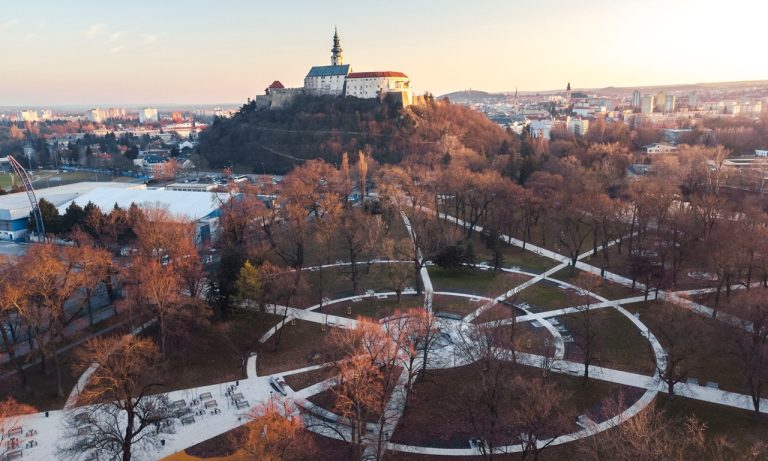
274 141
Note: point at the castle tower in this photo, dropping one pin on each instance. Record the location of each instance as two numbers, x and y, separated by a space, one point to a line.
336 58
568 92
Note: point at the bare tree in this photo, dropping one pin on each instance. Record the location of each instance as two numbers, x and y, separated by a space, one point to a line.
360 233
121 416
585 332
652 435
540 415
682 345
750 336
398 274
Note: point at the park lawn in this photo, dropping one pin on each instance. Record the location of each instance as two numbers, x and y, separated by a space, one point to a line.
446 391
214 353
305 379
455 304
605 288
374 308
43 386
513 256
499 311
527 338
715 358
301 344
544 296
337 283
739 426
619 264
227 447
474 281
618 344
724 304
43 393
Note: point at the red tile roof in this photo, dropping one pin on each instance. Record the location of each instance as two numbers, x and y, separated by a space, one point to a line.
376 74
276 84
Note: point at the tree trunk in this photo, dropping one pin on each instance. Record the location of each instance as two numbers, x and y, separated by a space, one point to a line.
128 433
59 389
11 348
417 276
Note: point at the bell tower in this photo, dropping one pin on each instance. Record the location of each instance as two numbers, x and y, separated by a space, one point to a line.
336 58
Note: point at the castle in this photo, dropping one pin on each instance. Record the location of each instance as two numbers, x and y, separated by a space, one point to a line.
338 79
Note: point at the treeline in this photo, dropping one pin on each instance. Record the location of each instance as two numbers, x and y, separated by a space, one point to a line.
106 229
324 127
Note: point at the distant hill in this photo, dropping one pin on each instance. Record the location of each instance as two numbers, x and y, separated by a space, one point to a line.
473 96
477 96
274 141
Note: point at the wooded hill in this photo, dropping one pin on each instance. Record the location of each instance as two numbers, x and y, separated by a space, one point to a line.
274 141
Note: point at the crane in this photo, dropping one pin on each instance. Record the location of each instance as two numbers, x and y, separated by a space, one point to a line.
27 183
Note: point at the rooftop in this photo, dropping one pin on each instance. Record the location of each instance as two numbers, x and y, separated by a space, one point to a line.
325 71
15 206
192 205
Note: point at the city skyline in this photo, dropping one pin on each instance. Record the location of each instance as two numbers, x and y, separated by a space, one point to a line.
191 52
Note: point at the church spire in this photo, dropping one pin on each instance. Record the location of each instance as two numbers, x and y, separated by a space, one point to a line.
336 58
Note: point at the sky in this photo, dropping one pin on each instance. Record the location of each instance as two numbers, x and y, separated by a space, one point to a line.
199 52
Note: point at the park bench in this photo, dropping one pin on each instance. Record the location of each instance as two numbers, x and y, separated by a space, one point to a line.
182 412
188 420
585 422
178 404
210 404
12 455
277 386
15 431
693 381
240 404
713 385
206 396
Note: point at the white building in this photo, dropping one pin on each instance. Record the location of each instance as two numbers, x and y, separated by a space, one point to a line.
647 104
95 115
541 128
148 115
670 104
367 85
28 116
660 148
578 126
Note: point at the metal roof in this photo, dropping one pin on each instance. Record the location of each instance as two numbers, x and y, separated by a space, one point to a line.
192 205
326 71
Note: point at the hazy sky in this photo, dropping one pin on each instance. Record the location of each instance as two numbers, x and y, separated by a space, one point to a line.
167 51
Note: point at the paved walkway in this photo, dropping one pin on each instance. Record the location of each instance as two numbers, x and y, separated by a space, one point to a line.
425 280
257 389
